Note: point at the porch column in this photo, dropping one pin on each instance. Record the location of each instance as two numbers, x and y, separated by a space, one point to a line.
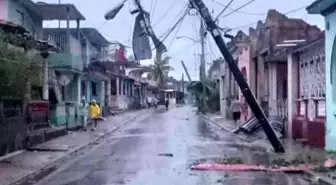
102 93
117 85
261 79
68 28
122 92
45 80
222 96
126 87
88 90
108 89
130 88
292 85
78 29
78 87
272 88
87 53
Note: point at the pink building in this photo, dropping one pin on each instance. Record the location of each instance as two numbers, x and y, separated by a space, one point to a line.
245 66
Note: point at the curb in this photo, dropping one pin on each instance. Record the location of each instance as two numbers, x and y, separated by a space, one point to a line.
262 149
49 168
223 128
310 174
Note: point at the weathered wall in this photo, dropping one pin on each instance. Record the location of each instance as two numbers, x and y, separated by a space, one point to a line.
244 65
31 21
330 67
4 9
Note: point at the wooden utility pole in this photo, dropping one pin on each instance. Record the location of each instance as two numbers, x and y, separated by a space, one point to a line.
244 87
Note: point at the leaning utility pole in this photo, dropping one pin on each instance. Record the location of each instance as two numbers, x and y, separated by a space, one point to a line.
244 87
186 70
202 66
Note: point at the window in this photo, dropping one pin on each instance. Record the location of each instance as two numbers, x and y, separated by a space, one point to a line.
284 88
20 17
83 85
113 87
94 88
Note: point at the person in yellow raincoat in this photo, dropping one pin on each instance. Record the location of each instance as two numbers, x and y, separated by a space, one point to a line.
94 111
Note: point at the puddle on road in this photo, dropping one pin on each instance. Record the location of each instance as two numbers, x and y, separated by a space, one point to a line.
204 129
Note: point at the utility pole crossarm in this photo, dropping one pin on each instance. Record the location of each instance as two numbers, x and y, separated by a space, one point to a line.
245 89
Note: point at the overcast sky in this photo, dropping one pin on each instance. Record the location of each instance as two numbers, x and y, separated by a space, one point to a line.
164 14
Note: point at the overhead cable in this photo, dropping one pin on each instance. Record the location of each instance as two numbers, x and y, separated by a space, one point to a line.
242 6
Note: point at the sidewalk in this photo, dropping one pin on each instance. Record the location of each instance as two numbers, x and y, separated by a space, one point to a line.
293 149
25 165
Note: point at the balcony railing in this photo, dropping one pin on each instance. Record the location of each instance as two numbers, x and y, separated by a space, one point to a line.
66 61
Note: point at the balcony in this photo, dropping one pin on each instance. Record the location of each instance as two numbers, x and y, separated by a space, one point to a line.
66 61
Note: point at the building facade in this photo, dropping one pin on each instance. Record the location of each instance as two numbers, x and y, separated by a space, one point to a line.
327 8
306 93
270 68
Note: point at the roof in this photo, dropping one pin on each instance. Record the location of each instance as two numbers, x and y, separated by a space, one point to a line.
92 34
30 5
58 11
320 40
282 52
321 7
22 33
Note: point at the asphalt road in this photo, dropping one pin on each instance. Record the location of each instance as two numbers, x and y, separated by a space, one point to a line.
159 149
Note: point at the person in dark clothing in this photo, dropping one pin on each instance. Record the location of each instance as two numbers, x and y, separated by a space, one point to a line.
167 103
236 110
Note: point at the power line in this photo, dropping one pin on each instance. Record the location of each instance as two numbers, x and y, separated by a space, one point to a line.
210 48
152 10
226 7
182 50
195 45
173 27
178 29
238 11
242 6
166 13
169 30
253 13
252 23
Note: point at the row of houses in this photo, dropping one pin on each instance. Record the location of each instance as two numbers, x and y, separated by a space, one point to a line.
288 80
83 64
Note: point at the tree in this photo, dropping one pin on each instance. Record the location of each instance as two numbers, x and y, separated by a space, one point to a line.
160 71
17 68
211 95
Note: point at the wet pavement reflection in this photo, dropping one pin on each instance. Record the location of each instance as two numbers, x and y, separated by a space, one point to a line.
159 149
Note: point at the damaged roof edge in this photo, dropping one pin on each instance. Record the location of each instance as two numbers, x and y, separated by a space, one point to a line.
51 11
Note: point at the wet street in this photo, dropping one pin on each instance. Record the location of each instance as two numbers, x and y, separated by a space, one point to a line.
159 148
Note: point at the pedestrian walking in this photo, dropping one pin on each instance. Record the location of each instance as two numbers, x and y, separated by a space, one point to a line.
83 112
155 102
235 109
94 114
167 102
149 101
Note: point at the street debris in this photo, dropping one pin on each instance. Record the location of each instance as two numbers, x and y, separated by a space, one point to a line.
166 154
271 168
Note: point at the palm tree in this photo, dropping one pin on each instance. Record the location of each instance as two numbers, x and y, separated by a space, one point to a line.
160 71
211 96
